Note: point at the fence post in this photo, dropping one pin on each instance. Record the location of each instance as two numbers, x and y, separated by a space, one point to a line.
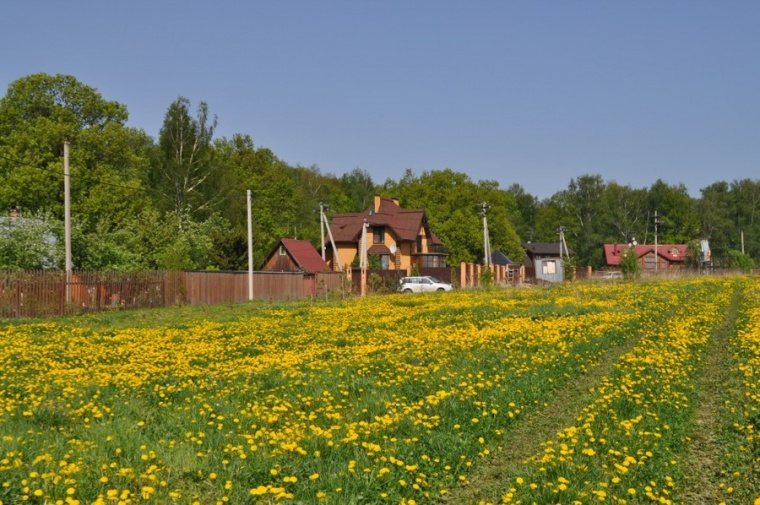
65 293
18 296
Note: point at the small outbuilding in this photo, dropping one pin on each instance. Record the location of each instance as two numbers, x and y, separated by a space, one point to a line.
292 255
544 261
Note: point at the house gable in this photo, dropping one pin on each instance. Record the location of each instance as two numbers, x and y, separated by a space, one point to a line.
290 255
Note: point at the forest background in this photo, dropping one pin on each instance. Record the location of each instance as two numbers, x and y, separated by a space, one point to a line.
178 202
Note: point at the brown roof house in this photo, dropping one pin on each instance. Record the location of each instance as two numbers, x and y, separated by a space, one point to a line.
291 255
400 237
668 256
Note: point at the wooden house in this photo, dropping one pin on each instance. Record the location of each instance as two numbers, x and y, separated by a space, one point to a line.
667 257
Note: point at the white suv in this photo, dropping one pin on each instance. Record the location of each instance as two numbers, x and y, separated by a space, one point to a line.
422 284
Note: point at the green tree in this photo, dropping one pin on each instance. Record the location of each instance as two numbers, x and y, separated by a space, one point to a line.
192 248
30 242
746 194
184 173
527 210
740 261
629 264
693 255
550 215
715 210
359 187
679 222
108 160
452 204
622 213
582 201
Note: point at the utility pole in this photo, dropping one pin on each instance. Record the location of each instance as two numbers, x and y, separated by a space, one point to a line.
562 243
486 238
250 245
322 207
336 256
67 218
656 255
363 260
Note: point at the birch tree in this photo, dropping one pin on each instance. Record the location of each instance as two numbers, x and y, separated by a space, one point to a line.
183 173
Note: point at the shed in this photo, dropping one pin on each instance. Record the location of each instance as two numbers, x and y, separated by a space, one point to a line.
292 255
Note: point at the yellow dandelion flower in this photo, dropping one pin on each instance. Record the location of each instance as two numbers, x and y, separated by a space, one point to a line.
258 491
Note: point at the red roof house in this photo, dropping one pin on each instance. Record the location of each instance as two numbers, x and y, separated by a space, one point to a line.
668 256
291 255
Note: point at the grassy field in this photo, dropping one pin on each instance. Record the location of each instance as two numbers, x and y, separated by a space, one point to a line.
581 393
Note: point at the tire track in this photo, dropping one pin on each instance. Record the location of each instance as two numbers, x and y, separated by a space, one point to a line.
702 465
566 403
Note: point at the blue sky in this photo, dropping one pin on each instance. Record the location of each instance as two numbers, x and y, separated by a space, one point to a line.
528 92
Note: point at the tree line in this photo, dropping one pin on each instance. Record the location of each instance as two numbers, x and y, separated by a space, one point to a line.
178 201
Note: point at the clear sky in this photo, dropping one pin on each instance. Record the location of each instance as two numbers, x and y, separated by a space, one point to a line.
530 92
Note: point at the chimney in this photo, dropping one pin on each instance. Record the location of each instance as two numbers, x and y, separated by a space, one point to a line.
377 203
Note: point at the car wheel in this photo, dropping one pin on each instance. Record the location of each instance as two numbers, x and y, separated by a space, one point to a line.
440 289
407 290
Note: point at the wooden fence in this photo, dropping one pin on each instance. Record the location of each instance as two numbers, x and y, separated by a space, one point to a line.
47 293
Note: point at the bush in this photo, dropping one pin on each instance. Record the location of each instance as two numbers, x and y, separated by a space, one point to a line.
629 264
740 261
486 278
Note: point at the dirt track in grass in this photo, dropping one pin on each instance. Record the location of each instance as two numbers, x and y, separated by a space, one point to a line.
488 483
702 466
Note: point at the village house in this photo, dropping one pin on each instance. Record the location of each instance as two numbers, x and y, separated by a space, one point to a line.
400 238
668 257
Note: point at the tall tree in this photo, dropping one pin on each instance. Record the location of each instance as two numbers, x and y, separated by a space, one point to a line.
676 211
580 203
109 161
746 194
527 206
622 213
360 189
184 169
716 210
38 113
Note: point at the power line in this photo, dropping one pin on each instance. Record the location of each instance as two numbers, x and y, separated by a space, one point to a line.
104 183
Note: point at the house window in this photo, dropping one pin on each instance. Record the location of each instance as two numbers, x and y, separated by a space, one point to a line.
378 235
649 262
282 250
430 261
419 243
384 261
549 267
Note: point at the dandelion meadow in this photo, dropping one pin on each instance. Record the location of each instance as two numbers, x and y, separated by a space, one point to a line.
582 393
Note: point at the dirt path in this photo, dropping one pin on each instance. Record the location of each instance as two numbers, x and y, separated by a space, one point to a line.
702 467
487 484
